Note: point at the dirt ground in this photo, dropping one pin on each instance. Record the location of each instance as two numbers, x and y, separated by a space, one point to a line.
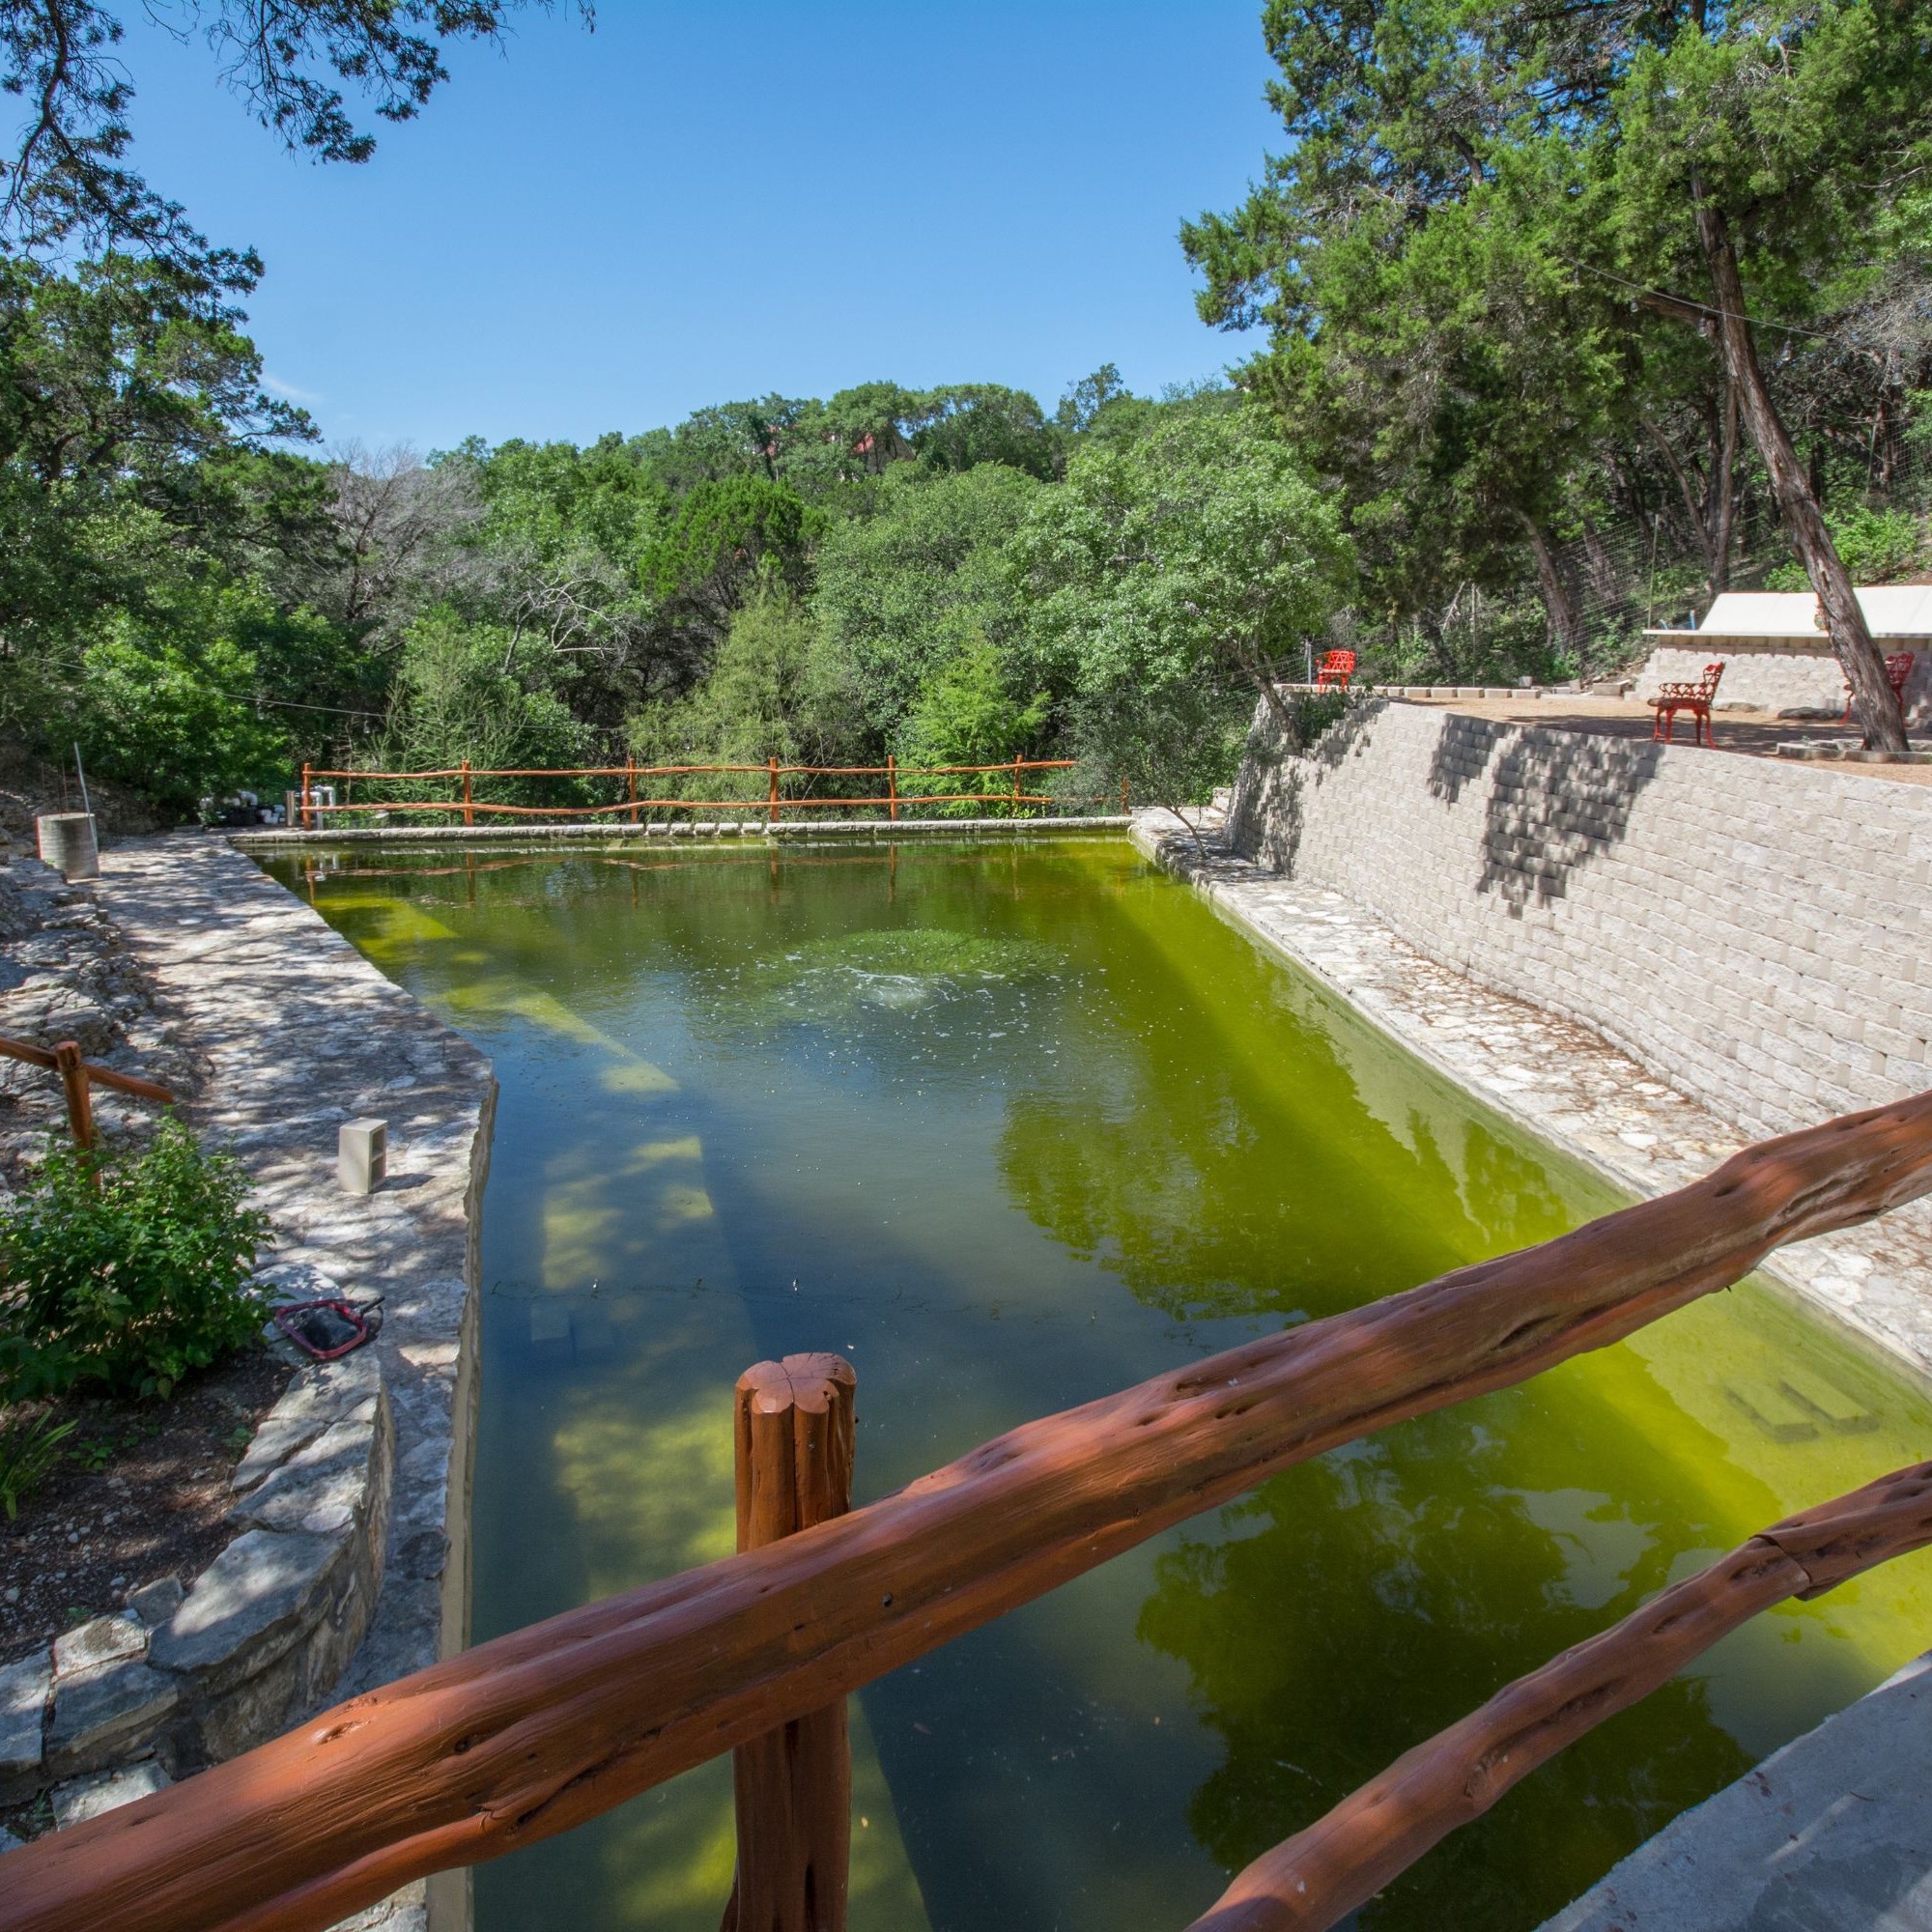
1753 733
141 1491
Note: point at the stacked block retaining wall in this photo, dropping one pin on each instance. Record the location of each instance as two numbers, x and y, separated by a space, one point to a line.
1757 933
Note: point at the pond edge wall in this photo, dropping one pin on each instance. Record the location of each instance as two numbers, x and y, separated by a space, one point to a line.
296 1032
1757 935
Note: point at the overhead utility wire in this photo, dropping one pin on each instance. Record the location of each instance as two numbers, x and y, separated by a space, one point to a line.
1685 301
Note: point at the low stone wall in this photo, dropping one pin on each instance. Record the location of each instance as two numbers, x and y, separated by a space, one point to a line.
1807 682
176 1680
1756 934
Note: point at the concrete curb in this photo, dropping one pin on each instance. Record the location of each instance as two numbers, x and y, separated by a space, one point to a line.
880 831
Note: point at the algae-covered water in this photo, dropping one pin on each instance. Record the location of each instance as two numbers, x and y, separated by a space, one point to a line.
1013 1127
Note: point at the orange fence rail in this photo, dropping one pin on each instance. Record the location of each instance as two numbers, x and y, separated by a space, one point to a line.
540 1730
771 802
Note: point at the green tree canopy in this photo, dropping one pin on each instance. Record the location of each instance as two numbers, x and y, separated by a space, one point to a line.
1718 166
908 588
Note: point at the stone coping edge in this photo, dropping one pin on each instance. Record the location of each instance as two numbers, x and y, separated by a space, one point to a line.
883 831
1834 1831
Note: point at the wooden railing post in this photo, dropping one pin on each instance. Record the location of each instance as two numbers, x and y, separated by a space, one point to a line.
631 784
307 782
469 808
80 1098
793 1425
1016 788
892 781
772 803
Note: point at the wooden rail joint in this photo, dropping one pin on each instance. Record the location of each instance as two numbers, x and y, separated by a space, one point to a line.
78 1076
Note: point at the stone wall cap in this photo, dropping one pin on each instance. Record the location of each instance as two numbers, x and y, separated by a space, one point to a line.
256 1592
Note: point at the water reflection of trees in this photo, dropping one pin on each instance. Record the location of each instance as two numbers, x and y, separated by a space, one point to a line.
1348 1609
1251 1177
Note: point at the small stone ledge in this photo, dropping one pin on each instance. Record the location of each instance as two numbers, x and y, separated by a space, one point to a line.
882 829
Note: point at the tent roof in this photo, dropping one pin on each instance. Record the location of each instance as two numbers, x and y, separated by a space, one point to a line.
1891 609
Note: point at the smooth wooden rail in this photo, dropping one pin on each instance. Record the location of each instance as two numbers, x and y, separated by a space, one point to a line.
1375 1835
538 1731
78 1076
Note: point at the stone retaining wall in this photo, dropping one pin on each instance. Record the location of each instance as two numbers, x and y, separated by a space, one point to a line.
1757 934
350 1563
1808 682
176 1680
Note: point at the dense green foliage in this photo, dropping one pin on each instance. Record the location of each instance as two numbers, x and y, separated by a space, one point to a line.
1487 267
950 577
128 1271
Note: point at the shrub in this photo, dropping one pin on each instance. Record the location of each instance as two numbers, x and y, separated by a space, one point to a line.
128 1271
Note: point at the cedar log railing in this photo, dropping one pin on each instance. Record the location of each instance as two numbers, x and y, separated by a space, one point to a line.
535 1732
771 802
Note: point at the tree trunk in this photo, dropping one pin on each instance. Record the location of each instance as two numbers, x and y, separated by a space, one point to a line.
1566 628
1724 489
1798 503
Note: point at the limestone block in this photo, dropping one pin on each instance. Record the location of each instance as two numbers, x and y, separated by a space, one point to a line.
325 1486
249 1606
102 1712
156 1602
24 1690
322 1394
103 1640
104 1791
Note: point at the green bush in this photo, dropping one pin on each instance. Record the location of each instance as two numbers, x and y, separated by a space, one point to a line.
130 1272
1875 547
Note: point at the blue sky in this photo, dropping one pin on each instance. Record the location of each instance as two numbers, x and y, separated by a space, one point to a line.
703 202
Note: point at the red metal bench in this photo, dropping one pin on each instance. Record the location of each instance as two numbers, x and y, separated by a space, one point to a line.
1696 699
1337 668
1898 669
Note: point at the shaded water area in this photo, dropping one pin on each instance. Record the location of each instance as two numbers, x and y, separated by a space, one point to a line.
1013 1127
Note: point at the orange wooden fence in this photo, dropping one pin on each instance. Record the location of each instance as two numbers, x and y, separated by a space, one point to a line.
535 1732
771 801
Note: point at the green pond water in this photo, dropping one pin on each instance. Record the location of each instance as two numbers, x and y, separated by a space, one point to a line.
1013 1127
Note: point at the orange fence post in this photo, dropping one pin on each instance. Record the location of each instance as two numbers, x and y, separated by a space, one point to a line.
771 805
468 813
80 1100
1016 788
631 784
306 781
892 781
793 1426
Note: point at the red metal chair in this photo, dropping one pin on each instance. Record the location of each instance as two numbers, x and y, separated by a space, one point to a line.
1696 699
1898 669
1337 668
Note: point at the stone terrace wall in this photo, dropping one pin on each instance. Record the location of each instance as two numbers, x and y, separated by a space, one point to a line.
1758 934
